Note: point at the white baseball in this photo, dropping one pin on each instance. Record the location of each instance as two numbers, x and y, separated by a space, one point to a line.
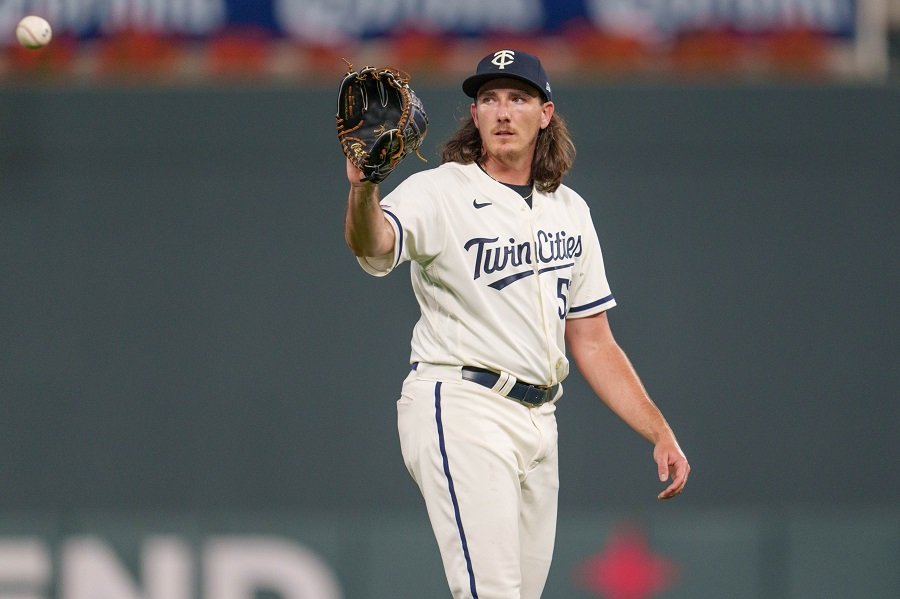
34 32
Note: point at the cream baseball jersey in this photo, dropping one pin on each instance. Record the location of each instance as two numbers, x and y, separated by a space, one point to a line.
495 279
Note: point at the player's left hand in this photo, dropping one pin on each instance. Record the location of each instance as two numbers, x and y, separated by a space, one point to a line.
671 463
354 175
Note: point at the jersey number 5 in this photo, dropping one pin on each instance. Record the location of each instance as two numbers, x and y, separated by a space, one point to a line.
562 292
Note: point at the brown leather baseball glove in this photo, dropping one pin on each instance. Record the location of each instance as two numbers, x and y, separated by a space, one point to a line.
380 120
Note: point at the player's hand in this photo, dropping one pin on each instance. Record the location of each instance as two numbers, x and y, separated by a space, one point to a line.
671 463
354 175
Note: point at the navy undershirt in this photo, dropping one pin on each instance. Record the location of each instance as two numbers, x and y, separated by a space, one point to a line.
523 190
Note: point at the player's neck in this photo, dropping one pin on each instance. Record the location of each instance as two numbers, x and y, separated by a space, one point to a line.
510 172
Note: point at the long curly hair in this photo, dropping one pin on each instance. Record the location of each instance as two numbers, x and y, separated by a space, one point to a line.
554 152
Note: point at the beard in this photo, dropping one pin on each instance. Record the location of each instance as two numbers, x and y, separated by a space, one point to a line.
510 153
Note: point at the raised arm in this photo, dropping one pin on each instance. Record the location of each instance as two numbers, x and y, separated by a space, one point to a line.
610 374
366 229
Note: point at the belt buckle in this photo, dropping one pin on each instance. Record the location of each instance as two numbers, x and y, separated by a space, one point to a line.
536 396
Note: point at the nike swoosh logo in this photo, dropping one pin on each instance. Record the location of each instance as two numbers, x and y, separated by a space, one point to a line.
477 205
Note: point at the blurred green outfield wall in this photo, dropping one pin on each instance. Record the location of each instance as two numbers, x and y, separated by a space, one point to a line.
185 333
688 554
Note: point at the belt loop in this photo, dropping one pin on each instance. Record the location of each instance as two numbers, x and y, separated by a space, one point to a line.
504 384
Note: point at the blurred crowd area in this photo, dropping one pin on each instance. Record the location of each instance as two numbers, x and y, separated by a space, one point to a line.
140 45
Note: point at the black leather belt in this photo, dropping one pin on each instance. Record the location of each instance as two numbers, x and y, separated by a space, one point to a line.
531 395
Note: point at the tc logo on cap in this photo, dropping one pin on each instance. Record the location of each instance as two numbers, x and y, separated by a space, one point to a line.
503 58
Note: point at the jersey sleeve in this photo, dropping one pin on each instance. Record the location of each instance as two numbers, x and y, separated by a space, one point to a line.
590 293
412 210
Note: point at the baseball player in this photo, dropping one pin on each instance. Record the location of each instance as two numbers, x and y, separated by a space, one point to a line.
507 269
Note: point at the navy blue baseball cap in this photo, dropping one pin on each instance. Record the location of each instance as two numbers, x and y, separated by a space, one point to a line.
514 64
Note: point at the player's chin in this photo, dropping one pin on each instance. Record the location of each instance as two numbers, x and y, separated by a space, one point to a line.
507 151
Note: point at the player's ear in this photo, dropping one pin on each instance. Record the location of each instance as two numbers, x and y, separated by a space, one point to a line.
474 114
546 114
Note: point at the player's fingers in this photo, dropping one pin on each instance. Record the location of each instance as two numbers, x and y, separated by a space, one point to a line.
670 492
662 465
679 479
354 175
663 474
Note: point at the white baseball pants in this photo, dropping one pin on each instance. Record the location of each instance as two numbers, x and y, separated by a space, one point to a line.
487 468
